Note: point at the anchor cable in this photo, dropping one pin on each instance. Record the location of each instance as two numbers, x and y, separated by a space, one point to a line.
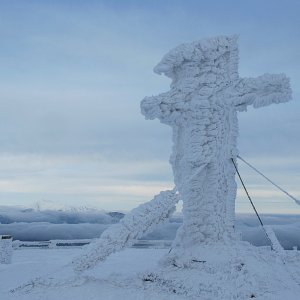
253 206
268 179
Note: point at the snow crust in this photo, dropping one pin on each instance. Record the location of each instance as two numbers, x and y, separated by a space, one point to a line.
137 274
238 271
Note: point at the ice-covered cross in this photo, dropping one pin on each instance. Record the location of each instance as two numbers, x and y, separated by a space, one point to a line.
201 107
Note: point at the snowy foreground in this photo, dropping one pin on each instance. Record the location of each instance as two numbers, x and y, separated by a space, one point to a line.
247 272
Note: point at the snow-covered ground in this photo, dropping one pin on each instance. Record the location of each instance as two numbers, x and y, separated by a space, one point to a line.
134 274
109 280
240 272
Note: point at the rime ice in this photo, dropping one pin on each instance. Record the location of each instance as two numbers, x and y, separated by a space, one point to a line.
134 225
201 107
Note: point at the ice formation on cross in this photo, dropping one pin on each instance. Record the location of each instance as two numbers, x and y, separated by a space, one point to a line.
201 107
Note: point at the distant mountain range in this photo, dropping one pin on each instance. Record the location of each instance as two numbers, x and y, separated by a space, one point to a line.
11 214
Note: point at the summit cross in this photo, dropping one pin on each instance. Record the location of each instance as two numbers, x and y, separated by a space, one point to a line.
201 107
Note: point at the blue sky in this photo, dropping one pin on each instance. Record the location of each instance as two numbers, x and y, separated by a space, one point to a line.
74 72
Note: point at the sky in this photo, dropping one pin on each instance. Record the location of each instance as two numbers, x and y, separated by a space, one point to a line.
73 74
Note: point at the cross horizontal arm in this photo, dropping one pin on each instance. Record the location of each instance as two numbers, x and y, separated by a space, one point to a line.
262 91
157 106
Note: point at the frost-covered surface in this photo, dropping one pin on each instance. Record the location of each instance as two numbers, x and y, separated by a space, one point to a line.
201 107
134 225
136 274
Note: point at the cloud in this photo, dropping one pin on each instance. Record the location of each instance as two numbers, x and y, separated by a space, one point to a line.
48 224
9 215
72 77
45 231
81 180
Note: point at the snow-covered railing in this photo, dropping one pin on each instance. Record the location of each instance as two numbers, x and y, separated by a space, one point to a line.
154 244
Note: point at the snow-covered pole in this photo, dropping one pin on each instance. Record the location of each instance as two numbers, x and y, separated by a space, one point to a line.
6 249
141 220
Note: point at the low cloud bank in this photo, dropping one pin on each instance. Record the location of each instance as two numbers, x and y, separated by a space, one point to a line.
286 228
47 231
36 225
